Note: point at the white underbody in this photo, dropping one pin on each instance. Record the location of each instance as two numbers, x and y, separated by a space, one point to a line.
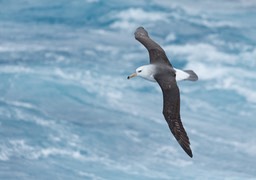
181 75
148 72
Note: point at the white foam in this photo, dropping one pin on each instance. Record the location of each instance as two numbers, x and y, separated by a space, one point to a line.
24 116
171 37
14 148
133 135
222 69
21 149
14 47
19 104
15 69
4 153
92 1
201 52
52 151
227 78
239 87
248 146
138 14
90 176
130 18
164 152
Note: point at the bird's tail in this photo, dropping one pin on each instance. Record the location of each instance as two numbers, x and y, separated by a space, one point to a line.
192 75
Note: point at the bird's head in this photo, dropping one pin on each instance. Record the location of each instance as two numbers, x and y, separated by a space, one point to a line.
138 72
145 72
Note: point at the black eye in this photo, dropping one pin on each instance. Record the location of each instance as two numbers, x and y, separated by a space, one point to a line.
139 71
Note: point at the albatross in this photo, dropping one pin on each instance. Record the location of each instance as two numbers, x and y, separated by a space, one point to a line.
160 70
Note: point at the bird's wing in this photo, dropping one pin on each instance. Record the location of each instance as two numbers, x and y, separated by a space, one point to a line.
156 53
171 110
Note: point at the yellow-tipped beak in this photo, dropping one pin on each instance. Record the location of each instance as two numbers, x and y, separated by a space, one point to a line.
132 75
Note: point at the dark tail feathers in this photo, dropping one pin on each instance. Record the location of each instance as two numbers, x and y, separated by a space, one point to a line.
192 75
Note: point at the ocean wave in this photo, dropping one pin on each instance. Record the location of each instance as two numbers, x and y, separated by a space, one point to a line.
65 96
28 117
21 149
90 175
248 146
226 70
6 69
19 104
14 148
46 152
132 17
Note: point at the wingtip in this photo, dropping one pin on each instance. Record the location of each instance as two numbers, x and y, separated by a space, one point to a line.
186 148
140 31
188 151
190 154
140 28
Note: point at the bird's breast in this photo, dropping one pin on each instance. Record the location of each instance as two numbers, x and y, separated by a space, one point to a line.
150 78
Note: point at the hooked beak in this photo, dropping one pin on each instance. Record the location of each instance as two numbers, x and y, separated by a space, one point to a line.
132 75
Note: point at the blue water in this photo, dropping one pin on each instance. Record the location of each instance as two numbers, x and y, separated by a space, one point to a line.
67 110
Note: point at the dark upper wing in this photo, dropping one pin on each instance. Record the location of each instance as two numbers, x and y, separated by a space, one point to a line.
171 110
156 53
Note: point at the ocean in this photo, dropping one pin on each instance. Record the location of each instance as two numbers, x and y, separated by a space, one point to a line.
67 110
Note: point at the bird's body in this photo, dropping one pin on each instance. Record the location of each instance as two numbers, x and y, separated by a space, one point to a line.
160 70
150 69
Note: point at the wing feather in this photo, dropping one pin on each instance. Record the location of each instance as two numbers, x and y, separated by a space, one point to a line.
171 110
156 53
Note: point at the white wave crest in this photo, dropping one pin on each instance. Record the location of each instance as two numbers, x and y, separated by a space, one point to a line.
132 17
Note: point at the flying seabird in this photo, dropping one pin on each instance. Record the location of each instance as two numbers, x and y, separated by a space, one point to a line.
160 70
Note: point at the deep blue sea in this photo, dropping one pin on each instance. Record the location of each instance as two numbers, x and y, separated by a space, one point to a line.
67 110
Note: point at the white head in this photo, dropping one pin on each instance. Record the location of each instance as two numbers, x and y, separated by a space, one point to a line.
146 72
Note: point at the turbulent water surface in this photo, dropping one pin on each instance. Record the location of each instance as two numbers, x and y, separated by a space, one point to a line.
67 110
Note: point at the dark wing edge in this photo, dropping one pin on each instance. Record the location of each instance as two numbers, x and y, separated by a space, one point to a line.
171 110
180 134
156 53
